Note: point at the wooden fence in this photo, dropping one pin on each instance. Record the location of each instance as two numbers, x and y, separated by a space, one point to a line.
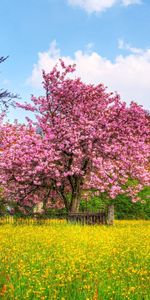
88 218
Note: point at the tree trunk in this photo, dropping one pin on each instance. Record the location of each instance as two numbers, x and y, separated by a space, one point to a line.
111 214
75 203
76 195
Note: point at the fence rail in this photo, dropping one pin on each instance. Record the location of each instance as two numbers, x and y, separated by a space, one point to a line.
82 218
88 218
29 220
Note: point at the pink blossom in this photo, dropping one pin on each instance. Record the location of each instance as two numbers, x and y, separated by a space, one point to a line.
89 140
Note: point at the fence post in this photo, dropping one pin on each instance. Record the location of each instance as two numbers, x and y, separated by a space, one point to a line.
111 214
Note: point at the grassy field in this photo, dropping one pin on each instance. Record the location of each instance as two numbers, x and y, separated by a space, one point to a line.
57 260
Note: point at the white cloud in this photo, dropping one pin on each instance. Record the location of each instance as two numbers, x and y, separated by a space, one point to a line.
130 2
125 46
100 5
128 74
45 62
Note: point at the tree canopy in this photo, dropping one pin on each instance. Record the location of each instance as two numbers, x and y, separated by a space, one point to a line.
89 142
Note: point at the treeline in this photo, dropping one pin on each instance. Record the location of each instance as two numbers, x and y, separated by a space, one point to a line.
124 207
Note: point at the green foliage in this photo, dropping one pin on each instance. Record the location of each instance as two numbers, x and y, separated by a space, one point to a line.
93 205
2 204
124 208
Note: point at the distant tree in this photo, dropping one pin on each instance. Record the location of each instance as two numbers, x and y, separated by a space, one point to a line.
6 98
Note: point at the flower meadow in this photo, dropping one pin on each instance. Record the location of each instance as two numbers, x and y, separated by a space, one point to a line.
58 260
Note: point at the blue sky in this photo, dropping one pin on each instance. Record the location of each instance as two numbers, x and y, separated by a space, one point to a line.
108 40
